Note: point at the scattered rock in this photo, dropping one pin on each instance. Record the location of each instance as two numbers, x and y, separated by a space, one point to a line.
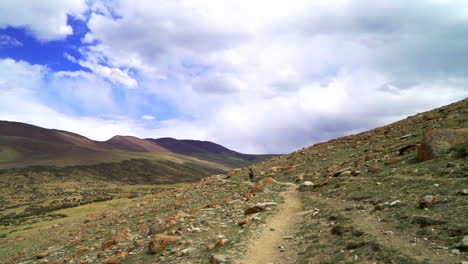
456 252
463 192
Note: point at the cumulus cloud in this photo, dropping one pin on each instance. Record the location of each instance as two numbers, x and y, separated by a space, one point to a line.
272 81
46 19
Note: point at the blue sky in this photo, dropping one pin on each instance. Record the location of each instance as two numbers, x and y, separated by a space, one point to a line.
256 76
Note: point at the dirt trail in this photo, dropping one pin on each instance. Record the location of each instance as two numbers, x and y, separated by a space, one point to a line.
397 240
264 248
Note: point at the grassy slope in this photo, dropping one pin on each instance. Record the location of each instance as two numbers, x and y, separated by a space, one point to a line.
405 180
210 208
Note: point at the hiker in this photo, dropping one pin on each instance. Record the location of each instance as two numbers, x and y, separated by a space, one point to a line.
251 174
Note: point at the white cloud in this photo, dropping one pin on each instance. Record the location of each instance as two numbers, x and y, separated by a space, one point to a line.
266 76
9 42
47 19
147 117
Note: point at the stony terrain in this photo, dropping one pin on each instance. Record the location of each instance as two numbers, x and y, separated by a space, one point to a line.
395 194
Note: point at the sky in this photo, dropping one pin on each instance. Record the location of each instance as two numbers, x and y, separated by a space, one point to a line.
256 76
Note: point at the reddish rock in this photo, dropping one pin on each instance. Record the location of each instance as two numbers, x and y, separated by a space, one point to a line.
80 251
120 237
437 142
160 242
116 258
391 161
245 221
375 170
139 243
108 243
254 209
210 246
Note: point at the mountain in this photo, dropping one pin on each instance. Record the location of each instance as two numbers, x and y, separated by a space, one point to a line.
24 145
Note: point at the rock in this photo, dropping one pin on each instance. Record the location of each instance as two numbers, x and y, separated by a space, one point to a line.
451 164
379 207
464 244
391 161
424 221
307 183
375 170
354 245
185 251
108 243
41 255
217 258
463 192
116 258
455 252
300 177
355 172
427 201
395 203
245 221
360 207
139 243
254 209
155 228
339 230
221 242
266 204
407 149
437 142
159 242
407 136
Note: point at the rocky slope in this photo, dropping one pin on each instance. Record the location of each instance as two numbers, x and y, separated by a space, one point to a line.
366 198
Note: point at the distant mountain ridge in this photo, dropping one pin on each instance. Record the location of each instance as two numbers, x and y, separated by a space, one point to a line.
21 141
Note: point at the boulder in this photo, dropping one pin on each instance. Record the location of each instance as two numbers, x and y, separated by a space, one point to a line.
437 142
160 242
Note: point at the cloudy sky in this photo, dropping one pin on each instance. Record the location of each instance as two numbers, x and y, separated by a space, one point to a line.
257 76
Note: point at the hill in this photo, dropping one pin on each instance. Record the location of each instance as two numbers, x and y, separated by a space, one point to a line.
23 145
365 198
